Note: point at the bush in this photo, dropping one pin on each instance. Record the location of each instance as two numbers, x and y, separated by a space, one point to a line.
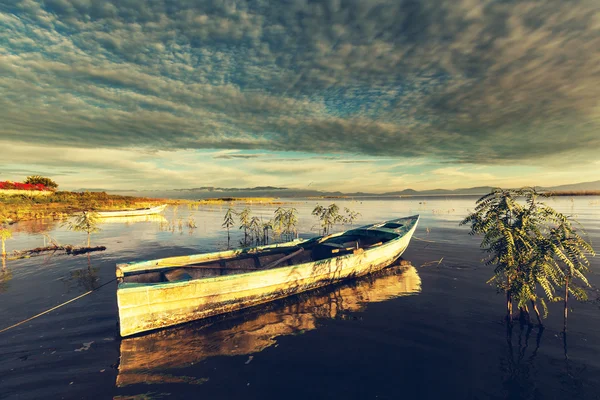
41 180
8 185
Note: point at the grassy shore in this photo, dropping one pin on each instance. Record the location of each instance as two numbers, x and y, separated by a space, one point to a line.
61 204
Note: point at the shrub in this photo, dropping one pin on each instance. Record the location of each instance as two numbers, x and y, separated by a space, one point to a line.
41 180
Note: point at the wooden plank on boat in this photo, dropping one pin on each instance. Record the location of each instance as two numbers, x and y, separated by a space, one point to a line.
276 263
220 266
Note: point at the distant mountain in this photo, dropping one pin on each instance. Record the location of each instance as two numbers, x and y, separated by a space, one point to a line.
595 185
405 192
436 192
218 189
205 192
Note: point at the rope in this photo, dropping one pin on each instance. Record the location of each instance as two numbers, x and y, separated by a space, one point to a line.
431 241
58 306
423 240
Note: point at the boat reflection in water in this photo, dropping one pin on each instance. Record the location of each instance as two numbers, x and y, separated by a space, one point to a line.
145 359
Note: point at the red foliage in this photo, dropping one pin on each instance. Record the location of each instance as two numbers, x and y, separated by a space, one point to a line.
22 186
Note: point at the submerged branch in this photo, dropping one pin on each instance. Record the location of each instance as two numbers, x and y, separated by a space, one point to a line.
66 249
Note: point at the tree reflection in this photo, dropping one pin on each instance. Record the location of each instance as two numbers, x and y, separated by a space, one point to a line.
571 376
85 278
518 367
35 226
5 276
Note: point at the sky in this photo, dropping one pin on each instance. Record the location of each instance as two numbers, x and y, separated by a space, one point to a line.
354 95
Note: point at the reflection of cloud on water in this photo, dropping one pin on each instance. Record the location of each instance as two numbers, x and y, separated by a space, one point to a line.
144 359
85 278
35 226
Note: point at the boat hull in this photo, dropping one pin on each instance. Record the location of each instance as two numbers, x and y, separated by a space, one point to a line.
148 307
132 213
145 358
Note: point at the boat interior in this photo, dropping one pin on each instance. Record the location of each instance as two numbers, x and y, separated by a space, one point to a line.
311 250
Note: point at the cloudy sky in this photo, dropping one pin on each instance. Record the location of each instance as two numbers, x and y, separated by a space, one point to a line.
372 95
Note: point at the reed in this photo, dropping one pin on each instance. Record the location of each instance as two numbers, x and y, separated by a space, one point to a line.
330 216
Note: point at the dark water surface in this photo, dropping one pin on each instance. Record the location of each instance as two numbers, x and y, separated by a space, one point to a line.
430 331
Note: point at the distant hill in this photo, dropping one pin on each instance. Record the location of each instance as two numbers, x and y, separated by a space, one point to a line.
435 192
218 189
583 186
282 192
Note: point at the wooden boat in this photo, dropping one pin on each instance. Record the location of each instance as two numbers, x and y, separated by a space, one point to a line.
169 291
132 213
156 357
154 218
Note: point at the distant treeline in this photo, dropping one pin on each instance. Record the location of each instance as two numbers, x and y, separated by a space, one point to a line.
574 193
266 200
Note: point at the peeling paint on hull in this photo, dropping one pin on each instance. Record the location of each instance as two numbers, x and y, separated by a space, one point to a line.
144 307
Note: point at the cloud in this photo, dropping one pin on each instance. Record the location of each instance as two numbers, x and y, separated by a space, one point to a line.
234 156
467 81
460 173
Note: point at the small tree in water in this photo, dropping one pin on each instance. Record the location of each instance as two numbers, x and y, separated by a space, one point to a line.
266 226
85 222
350 216
531 246
279 221
291 221
5 234
255 228
569 250
245 223
285 222
328 216
228 222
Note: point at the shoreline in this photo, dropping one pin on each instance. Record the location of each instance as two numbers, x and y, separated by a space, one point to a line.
61 205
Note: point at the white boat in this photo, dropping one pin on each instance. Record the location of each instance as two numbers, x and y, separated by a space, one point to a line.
159 293
156 218
132 213
157 356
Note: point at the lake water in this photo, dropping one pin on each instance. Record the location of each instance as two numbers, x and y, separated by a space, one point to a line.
430 331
